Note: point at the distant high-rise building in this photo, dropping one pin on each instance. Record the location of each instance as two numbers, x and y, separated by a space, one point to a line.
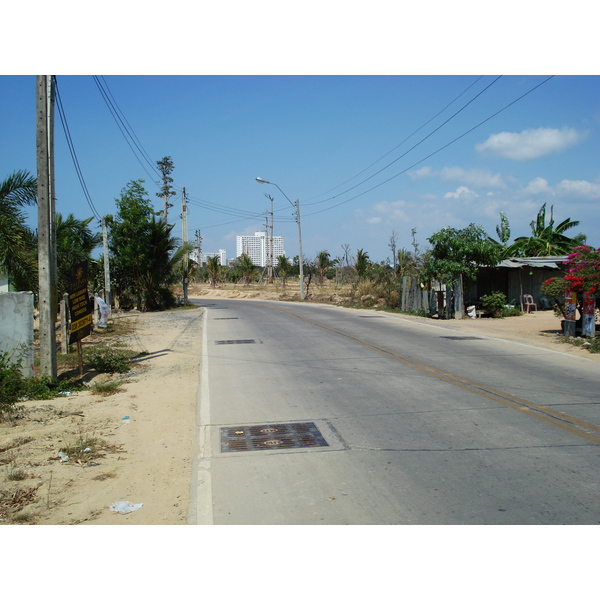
222 254
256 247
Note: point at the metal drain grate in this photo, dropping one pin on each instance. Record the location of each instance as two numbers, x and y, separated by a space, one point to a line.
224 318
271 437
459 337
370 316
220 342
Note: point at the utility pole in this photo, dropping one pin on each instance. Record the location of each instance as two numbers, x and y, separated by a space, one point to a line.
300 250
271 253
47 301
107 291
268 257
199 246
184 240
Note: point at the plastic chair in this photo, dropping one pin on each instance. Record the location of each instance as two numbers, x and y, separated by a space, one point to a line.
528 303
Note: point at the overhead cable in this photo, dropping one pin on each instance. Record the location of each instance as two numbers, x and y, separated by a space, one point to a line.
409 150
435 152
63 119
404 140
127 135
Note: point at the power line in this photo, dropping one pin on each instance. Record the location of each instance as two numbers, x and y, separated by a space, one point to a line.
67 133
410 149
436 151
133 134
404 140
123 128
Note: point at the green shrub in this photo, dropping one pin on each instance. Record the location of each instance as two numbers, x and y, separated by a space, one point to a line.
511 312
107 360
15 388
494 302
11 381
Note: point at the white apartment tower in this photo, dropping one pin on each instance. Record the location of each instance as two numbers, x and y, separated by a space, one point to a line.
256 247
202 259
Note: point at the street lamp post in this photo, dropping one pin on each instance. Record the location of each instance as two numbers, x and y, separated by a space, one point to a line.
297 206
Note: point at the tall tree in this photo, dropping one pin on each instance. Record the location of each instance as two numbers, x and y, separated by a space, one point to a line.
361 263
213 268
456 252
546 240
144 255
18 254
163 262
246 267
284 266
503 233
165 166
324 263
503 229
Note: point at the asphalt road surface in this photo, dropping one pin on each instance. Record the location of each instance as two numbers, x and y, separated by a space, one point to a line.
312 414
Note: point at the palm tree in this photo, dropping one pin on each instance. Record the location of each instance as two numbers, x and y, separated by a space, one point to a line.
74 243
284 266
361 263
246 267
18 255
324 263
162 261
545 240
213 268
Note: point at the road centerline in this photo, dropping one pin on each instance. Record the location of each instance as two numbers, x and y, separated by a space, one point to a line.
558 419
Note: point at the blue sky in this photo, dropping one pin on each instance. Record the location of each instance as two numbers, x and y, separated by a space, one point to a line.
361 153
377 124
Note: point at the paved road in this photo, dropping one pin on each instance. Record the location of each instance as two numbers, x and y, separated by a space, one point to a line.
422 426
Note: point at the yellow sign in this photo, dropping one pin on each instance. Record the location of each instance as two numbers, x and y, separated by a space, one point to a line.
81 323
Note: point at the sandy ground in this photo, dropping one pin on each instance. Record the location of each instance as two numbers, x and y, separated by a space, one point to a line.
143 437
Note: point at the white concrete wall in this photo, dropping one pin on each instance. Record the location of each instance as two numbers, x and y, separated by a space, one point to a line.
16 327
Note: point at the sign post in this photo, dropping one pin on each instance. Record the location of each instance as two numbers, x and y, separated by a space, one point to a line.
79 308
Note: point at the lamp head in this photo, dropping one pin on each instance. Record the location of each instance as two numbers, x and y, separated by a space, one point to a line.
260 180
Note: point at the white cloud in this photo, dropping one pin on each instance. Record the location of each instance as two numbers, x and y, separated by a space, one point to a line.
531 143
473 177
584 189
421 173
374 220
537 186
462 192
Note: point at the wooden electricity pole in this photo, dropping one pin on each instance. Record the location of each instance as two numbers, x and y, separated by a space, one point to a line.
47 301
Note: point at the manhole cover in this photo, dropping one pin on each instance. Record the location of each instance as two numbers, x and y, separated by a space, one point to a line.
219 342
268 437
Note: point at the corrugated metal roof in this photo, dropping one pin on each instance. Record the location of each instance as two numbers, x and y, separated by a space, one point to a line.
541 262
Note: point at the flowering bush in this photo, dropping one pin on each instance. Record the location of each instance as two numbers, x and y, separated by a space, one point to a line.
582 269
554 287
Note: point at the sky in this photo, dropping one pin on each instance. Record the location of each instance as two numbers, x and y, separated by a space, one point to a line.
381 124
367 156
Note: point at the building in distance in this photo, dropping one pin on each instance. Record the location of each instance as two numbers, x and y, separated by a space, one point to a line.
257 247
202 259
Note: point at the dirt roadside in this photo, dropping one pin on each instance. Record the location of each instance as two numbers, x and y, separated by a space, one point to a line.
143 436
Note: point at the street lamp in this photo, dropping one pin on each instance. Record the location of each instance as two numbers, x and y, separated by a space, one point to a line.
297 206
